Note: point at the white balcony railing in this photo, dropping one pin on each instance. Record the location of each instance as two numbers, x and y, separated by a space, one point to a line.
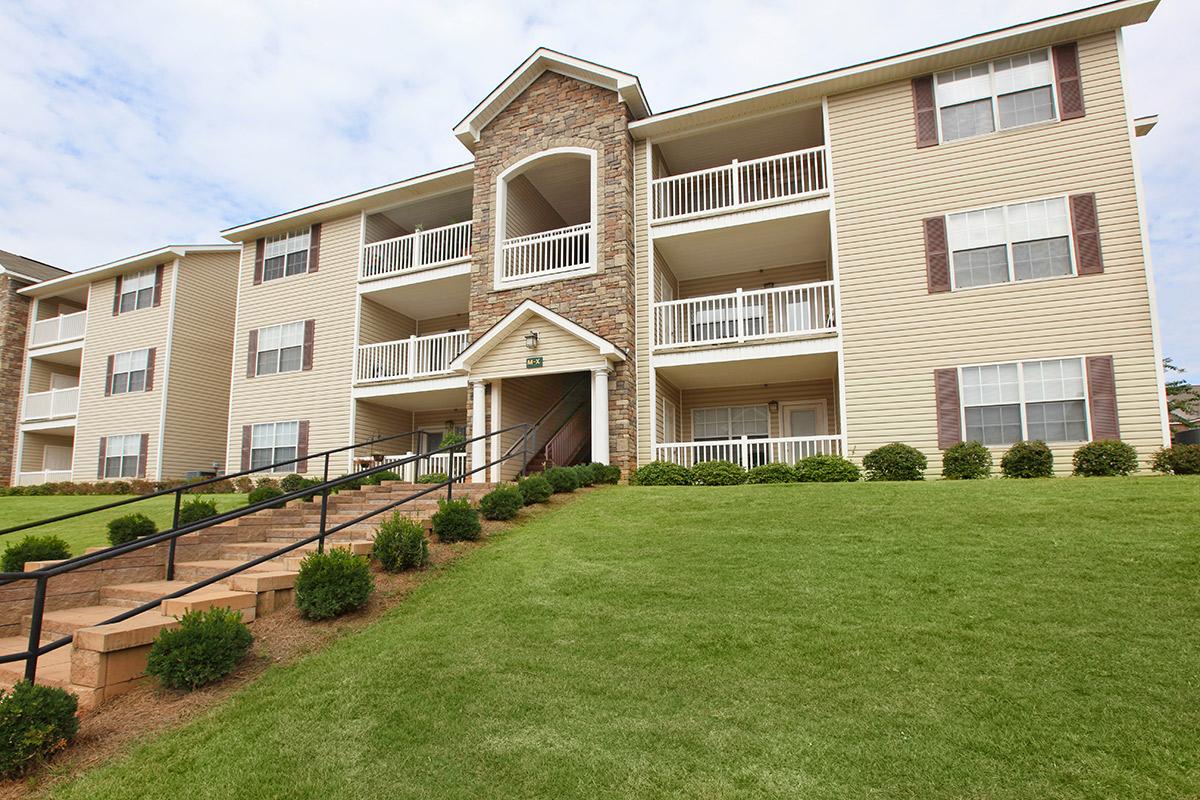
414 357
436 463
741 316
43 476
421 250
750 452
63 328
54 404
538 254
742 183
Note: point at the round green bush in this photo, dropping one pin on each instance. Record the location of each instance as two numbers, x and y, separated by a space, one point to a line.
123 530
263 493
606 473
1180 459
822 468
36 722
400 544
33 548
196 510
562 479
1105 458
966 461
1027 460
205 647
775 472
503 502
456 521
433 477
293 483
453 438
663 473
895 462
534 489
332 583
384 475
584 474
718 473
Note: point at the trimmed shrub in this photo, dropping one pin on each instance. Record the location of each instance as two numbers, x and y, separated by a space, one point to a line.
33 548
895 462
433 477
456 521
332 583
265 481
400 544
606 473
380 477
534 489
452 438
775 472
243 485
584 474
35 723
718 473
294 483
1027 460
123 530
1104 458
663 473
562 479
196 510
1180 459
966 461
503 502
263 493
205 647
826 469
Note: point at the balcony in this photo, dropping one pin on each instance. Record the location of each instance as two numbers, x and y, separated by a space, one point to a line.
750 452
43 476
414 357
58 330
546 253
740 185
54 404
746 316
436 247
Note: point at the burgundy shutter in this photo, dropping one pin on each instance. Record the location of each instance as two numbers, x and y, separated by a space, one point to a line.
108 372
246 434
949 419
103 454
252 354
937 255
302 446
1067 81
1085 228
158 283
143 449
1102 397
309 334
260 247
314 247
150 369
925 111
117 295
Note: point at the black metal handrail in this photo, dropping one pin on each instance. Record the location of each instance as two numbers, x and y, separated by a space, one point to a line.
537 424
36 649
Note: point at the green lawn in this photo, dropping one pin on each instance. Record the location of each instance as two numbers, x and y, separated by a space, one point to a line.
90 530
998 639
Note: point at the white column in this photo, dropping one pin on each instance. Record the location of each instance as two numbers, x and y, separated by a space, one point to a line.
600 415
478 428
496 425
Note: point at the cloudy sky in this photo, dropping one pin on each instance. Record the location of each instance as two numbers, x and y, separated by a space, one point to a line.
127 125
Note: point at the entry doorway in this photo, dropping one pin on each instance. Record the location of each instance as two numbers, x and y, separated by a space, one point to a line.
807 418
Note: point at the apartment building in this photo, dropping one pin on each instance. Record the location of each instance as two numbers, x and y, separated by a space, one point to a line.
126 368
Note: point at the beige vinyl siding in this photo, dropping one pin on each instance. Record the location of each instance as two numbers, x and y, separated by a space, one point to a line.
373 421
669 392
526 211
200 362
41 371
560 351
760 394
57 306
754 279
665 284
895 333
378 323
644 258
320 395
436 419
448 322
379 228
32 449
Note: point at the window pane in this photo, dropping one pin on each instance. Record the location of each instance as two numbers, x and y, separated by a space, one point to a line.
1027 71
968 119
268 362
291 335
129 466
145 298
268 338
287 434
120 382
1042 259
1024 108
963 85
128 301
260 458
1063 421
1060 379
975 229
994 424
297 262
994 383
112 467
273 268
1041 219
290 359
283 454
980 267
262 435
137 381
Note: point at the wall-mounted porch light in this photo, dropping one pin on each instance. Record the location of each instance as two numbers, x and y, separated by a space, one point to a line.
531 340
773 406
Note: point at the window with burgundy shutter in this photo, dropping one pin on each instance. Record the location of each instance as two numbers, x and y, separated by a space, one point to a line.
1085 226
1015 242
949 415
122 456
1067 80
937 259
1102 397
273 442
995 95
136 291
286 254
925 111
1023 400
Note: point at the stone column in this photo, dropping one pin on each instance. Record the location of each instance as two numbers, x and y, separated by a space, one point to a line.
478 428
600 415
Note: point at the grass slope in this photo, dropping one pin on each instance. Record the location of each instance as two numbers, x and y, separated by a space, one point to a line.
998 639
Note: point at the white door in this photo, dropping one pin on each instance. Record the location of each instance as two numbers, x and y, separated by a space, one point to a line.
56 458
669 422
59 380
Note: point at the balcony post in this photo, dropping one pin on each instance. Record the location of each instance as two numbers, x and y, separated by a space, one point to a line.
745 451
739 311
478 428
497 445
410 357
600 415
416 255
736 180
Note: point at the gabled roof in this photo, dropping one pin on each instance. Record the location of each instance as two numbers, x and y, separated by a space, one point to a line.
513 320
627 86
150 258
27 269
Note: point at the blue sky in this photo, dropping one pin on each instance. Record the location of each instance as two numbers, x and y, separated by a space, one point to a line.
128 125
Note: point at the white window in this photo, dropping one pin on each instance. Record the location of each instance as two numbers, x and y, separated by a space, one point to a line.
286 254
1005 403
280 348
121 456
1017 242
1001 94
137 290
129 371
273 442
730 422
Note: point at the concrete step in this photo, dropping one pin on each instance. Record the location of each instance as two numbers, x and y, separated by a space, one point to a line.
245 551
130 595
54 668
192 571
64 621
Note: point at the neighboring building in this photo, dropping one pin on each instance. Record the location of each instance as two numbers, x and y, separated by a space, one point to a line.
127 368
15 272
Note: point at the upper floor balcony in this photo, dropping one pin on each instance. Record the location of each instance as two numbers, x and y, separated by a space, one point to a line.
406 359
547 252
53 404
746 316
59 329
424 249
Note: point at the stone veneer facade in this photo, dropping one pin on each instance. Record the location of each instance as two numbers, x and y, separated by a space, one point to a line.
14 320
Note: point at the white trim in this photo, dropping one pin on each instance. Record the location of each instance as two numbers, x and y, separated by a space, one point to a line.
150 258
651 280
415 386
783 208
675 432
1141 125
1008 243
512 320
835 273
497 385
822 418
725 353
1021 402
358 301
236 367
730 433
413 277
166 370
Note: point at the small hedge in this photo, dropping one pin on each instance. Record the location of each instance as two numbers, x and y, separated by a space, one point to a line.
264 492
503 502
966 461
895 462
196 510
332 583
36 722
381 476
293 482
606 473
137 486
400 544
718 473
1105 458
33 548
433 477
826 469
456 521
1180 459
123 530
775 472
534 489
1027 460
584 474
205 647
562 479
662 473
